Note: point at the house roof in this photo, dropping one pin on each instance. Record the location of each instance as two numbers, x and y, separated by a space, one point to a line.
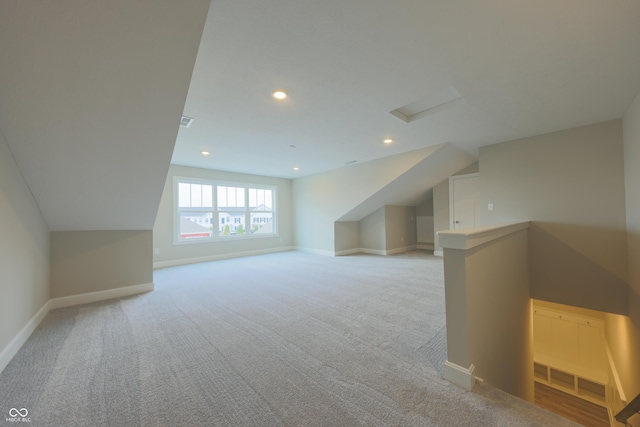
190 227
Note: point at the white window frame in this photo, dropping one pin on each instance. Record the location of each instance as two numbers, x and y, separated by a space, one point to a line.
215 235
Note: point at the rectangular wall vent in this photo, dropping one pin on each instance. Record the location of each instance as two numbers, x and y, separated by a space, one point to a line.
185 122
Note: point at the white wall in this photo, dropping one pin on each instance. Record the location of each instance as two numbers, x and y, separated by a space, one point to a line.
488 310
24 251
400 228
184 253
389 229
441 211
570 184
623 333
631 137
91 261
324 198
92 94
425 223
580 187
371 230
347 236
351 193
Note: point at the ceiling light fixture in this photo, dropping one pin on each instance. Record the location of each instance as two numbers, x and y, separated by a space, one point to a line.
279 94
205 153
388 141
295 168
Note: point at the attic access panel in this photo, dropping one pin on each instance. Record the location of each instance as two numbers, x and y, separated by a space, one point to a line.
432 104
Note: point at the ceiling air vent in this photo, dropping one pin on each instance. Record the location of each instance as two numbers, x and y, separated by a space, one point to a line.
185 122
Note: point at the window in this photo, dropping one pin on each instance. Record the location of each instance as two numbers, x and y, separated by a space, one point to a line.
261 210
195 203
208 210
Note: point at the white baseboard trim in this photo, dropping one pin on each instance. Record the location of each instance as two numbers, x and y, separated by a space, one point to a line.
438 253
208 258
18 341
460 376
350 252
380 252
401 250
425 246
316 251
99 295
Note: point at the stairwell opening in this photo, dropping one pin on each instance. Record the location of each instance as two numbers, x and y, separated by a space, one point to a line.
574 375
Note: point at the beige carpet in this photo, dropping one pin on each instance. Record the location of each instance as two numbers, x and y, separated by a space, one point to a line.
289 339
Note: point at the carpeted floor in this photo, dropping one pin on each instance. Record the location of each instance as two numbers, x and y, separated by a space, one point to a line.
289 339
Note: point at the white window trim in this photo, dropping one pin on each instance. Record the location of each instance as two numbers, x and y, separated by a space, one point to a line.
215 237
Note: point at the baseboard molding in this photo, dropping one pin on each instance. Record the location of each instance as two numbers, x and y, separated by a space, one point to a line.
208 258
380 252
315 251
401 250
438 253
90 297
350 252
18 341
361 251
425 246
460 376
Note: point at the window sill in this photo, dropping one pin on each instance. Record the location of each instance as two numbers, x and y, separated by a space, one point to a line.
222 239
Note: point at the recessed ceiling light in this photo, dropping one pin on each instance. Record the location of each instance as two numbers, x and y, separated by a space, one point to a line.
279 94
388 141
296 168
205 153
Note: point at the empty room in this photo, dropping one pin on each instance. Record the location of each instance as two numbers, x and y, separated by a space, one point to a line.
297 213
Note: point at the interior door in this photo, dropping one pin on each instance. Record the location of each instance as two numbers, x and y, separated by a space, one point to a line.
465 194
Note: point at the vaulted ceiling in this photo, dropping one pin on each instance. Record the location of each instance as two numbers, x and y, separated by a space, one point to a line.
91 95
91 92
482 71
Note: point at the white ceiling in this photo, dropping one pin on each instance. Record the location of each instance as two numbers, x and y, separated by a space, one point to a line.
91 92
521 69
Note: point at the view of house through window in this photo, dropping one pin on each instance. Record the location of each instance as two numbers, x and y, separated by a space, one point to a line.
236 210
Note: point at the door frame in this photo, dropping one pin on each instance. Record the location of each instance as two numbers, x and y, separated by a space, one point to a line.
451 204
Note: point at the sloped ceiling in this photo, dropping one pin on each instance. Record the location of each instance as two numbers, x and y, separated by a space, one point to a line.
91 92
91 95
415 185
504 69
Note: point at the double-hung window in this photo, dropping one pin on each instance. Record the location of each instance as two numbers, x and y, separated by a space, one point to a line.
209 210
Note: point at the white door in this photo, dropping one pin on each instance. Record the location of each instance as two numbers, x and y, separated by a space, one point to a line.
464 195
